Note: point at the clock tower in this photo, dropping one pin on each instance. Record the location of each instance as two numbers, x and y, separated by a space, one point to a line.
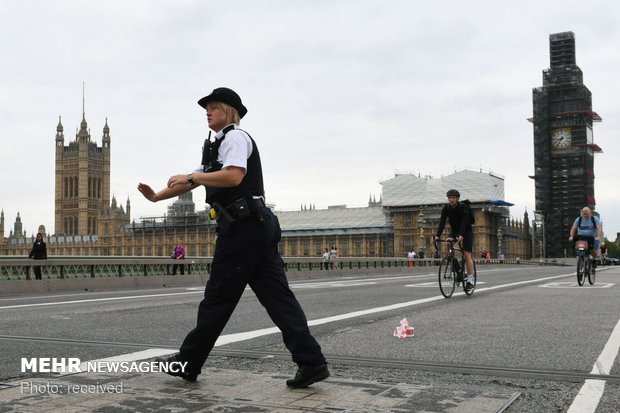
563 145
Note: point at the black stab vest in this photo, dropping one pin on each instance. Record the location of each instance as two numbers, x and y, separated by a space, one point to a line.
252 183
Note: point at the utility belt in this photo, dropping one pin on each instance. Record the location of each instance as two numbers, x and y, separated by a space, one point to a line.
238 210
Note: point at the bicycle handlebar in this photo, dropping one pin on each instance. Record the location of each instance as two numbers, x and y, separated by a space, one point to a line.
450 241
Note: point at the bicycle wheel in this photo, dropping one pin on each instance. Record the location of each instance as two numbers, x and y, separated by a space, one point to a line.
592 273
447 277
470 292
581 267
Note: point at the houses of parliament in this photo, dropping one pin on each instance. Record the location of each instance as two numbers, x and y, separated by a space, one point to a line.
88 222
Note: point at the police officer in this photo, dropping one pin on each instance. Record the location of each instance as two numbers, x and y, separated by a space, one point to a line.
246 251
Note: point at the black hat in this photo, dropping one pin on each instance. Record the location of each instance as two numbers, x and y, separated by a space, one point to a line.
225 95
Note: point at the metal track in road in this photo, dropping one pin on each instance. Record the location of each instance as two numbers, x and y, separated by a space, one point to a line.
521 373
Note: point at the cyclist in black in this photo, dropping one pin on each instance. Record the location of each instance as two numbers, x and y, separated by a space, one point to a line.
460 230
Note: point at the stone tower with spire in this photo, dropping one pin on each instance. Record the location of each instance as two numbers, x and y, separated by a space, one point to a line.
82 186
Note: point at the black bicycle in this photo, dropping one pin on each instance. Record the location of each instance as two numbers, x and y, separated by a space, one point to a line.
451 270
585 261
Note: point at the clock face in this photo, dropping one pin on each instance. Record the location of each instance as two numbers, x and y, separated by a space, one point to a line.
561 138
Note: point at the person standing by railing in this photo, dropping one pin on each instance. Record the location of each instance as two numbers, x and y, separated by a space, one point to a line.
178 254
38 252
411 257
333 256
326 258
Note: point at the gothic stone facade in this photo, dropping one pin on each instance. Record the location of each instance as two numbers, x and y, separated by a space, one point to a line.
89 224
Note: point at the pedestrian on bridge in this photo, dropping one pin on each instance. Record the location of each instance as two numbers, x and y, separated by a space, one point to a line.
178 254
38 252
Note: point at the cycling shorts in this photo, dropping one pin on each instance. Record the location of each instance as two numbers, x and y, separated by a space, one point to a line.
468 240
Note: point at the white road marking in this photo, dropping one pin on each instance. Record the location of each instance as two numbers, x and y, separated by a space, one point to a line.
572 284
331 284
591 392
92 300
248 335
190 290
133 297
586 401
434 284
236 337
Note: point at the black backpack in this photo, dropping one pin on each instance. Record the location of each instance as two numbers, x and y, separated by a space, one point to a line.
472 218
592 218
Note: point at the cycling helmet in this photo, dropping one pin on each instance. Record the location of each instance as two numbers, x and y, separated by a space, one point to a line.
453 192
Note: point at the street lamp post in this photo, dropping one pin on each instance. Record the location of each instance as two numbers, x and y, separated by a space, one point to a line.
499 241
539 216
422 226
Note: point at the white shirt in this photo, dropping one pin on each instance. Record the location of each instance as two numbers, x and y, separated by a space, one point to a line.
234 150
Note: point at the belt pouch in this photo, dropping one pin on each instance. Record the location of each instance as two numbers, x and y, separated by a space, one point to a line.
241 208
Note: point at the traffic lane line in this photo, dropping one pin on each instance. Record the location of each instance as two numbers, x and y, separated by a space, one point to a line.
93 300
201 289
237 337
605 360
591 392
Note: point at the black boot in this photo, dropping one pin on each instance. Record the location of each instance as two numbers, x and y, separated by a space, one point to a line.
187 376
307 375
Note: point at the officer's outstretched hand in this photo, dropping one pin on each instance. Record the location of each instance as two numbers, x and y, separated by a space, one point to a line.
147 191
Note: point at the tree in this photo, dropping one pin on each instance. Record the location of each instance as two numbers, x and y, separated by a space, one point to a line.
613 250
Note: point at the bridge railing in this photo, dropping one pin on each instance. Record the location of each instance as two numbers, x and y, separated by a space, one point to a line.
21 268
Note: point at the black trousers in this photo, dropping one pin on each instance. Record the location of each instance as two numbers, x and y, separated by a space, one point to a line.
37 272
174 269
247 253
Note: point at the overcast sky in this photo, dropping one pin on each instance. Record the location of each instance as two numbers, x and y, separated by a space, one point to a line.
341 94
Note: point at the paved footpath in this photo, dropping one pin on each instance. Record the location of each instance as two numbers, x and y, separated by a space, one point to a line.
227 390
